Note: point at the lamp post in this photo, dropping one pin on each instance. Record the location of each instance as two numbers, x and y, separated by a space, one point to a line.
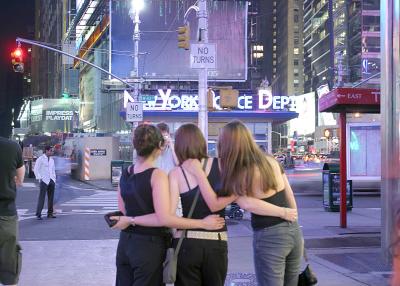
136 7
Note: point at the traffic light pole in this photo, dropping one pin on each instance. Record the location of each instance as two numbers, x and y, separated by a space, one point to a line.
33 43
202 16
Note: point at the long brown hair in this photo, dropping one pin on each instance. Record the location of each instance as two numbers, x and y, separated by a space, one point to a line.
189 143
239 156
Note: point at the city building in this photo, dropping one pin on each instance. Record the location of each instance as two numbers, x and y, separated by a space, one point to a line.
287 51
341 42
47 65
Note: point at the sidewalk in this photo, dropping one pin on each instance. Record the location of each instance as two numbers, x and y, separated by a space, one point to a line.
339 257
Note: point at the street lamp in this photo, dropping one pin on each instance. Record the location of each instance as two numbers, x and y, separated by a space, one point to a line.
136 7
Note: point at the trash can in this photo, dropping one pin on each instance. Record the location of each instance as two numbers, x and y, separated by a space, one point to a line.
331 188
116 171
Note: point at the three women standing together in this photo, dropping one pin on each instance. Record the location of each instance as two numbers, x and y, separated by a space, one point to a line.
242 173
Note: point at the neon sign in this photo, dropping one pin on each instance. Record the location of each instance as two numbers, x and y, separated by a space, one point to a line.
166 100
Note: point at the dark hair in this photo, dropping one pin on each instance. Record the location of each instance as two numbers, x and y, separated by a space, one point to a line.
47 148
189 143
146 139
163 127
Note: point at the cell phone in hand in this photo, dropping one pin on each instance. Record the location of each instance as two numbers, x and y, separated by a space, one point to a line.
109 221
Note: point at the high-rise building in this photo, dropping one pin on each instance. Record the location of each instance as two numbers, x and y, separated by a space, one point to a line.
364 41
46 65
341 42
287 54
288 49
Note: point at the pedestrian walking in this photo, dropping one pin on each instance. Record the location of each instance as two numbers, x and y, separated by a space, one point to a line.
145 200
203 259
46 174
167 159
12 171
247 172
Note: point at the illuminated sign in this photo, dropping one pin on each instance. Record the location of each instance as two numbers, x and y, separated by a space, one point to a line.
166 100
59 115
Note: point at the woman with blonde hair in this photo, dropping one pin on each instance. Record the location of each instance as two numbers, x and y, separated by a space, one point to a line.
247 172
203 258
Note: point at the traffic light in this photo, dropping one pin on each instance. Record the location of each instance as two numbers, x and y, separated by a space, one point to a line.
184 37
17 60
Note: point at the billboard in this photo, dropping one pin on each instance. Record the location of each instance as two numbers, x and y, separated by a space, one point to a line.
160 59
364 151
305 107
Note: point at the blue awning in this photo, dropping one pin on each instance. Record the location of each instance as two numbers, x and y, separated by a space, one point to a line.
275 116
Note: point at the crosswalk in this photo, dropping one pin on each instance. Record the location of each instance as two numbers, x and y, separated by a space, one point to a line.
99 202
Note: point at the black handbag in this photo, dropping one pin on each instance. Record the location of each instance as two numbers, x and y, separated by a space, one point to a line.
307 277
170 264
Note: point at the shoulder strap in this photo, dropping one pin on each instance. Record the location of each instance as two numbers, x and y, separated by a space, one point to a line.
183 234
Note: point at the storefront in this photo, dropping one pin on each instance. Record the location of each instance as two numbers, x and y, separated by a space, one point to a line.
257 109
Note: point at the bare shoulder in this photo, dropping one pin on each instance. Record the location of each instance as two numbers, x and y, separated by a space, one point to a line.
174 173
158 175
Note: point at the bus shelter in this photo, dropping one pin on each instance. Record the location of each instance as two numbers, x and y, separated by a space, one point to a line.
345 100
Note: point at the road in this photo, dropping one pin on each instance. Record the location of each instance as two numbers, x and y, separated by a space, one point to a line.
81 207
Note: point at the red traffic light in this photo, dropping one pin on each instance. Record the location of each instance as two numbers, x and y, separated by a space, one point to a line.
17 53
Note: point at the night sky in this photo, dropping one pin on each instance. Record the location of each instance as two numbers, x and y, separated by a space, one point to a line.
17 17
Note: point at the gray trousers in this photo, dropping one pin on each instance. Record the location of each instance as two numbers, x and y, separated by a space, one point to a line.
277 254
10 251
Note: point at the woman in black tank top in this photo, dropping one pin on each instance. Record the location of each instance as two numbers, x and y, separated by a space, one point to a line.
259 185
144 198
203 257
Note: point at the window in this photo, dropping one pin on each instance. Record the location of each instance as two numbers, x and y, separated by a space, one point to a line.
258 55
296 62
296 51
258 48
296 18
274 63
274 48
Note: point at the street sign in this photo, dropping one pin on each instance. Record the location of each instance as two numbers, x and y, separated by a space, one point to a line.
203 56
98 152
134 111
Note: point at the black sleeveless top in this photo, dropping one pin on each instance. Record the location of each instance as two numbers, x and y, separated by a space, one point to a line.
202 210
260 221
137 195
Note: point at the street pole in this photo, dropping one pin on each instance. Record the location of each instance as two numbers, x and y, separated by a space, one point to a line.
33 43
202 17
390 118
136 38
109 38
343 171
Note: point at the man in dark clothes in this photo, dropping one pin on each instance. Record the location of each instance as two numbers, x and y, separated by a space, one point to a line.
12 171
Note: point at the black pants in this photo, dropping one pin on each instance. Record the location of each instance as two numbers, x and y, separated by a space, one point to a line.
49 189
202 262
140 259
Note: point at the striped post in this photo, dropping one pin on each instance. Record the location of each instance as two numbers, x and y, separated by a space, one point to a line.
86 164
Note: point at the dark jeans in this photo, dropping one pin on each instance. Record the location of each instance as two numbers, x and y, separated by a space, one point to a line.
202 262
49 189
140 259
10 251
277 254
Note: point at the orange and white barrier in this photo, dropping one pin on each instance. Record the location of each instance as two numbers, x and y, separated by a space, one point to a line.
86 164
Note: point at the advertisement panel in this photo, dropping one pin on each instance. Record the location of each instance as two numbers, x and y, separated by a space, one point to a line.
160 59
305 107
364 149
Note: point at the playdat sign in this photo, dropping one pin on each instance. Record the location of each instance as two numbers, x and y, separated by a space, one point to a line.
166 100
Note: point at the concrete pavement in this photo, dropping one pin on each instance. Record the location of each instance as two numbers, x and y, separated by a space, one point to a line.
340 257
